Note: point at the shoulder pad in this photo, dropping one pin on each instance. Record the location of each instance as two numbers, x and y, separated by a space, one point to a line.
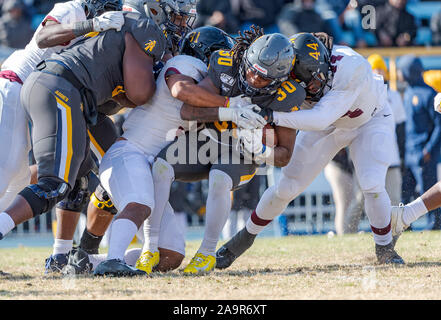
289 97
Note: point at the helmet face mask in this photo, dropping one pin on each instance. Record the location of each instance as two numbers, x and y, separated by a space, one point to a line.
175 17
271 57
312 67
248 88
97 7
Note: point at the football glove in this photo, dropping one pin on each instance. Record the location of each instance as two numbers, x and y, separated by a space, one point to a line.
108 20
246 117
249 144
238 101
437 103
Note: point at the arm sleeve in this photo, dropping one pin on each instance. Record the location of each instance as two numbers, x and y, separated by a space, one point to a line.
324 113
187 66
150 38
329 109
64 13
346 88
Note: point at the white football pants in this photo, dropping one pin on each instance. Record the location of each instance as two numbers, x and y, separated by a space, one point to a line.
14 143
370 147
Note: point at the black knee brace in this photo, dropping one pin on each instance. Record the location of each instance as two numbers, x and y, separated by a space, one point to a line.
101 200
45 194
77 199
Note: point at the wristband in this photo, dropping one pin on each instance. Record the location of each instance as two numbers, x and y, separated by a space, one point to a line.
227 102
82 27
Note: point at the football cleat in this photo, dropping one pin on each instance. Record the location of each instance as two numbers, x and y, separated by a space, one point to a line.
234 248
147 261
117 268
387 254
56 262
200 264
224 258
77 263
396 220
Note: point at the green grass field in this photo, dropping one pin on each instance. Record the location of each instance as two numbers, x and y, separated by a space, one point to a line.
295 267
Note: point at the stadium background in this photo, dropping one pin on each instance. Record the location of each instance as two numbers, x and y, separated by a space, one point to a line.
313 212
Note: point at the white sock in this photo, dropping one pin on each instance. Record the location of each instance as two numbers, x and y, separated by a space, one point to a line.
163 176
62 246
122 233
378 208
6 223
218 208
413 211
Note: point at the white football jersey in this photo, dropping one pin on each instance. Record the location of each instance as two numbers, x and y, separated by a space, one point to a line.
23 62
362 92
153 125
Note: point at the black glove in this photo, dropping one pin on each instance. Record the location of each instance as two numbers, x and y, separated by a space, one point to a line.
326 39
267 114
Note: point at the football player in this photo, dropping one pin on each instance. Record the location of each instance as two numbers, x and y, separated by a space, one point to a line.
404 215
349 109
62 98
63 26
255 70
101 211
125 169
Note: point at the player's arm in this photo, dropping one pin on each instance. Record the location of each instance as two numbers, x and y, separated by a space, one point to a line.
178 84
328 110
332 106
123 101
54 33
192 113
202 94
139 81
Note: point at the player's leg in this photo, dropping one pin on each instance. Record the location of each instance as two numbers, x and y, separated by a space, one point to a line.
125 174
173 162
14 142
218 206
370 152
21 180
171 242
59 145
228 172
100 211
404 215
312 151
429 178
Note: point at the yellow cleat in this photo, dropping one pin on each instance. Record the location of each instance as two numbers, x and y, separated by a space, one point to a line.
147 261
200 264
